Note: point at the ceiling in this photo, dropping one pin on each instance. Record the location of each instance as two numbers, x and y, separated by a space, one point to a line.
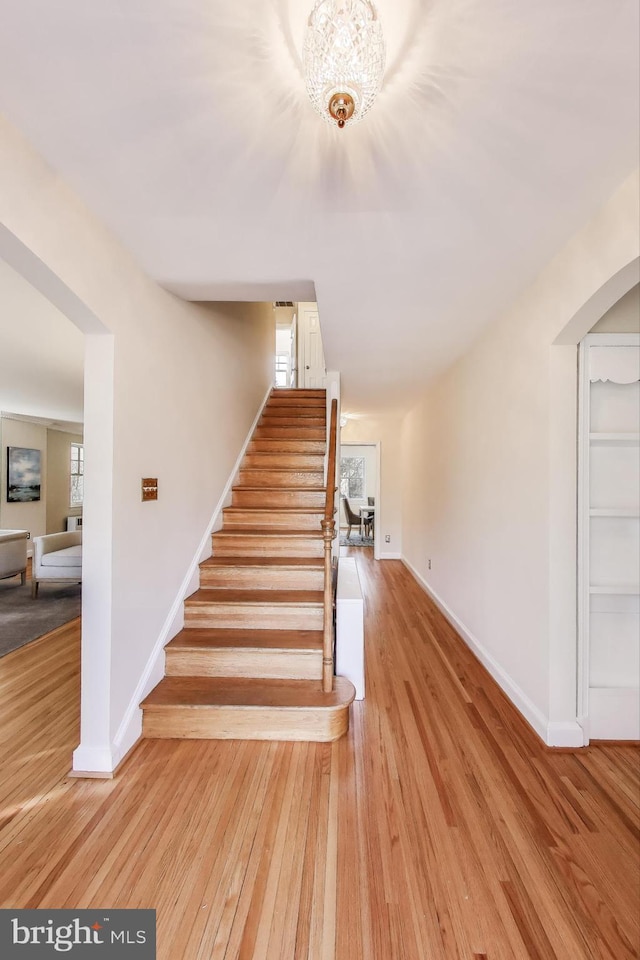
184 124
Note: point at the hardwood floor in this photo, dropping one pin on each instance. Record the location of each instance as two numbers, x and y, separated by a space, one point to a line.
438 828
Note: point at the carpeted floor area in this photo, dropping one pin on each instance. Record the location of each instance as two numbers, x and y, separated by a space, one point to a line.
23 619
355 540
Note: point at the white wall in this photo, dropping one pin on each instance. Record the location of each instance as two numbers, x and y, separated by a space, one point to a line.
171 389
386 431
41 369
489 468
623 317
59 479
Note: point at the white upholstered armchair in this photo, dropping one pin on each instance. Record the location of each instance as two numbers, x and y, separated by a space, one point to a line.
57 556
13 554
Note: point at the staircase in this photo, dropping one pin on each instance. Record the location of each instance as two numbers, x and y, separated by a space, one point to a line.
249 662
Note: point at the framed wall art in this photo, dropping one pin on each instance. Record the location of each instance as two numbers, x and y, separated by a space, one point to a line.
23 474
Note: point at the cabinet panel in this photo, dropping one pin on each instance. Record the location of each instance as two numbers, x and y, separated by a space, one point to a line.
614 476
614 548
615 407
614 650
614 714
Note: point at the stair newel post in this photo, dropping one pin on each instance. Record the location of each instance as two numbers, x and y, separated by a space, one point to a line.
328 533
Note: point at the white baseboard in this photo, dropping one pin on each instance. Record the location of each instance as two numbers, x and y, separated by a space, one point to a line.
95 759
130 728
391 556
534 717
564 734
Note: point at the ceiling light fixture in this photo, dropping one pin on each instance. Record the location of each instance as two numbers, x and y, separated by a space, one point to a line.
343 59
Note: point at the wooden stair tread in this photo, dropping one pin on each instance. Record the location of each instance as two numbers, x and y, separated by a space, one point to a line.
275 479
193 693
276 532
310 392
278 469
296 428
303 394
245 488
254 597
286 419
302 412
247 639
289 510
306 448
280 562
312 408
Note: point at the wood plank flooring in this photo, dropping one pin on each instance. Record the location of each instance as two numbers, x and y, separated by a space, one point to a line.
439 828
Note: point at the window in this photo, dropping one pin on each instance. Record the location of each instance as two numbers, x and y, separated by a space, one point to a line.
352 477
76 495
282 369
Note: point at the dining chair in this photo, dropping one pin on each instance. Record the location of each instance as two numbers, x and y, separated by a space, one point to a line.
353 519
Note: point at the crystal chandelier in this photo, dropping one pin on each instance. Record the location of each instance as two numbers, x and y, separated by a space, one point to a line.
343 59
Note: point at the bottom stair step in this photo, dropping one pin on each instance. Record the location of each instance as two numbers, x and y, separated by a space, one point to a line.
281 654
233 709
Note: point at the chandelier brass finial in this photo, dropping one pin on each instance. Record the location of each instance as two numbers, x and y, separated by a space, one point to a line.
341 107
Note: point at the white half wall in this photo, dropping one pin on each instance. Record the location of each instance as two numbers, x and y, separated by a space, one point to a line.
171 389
489 473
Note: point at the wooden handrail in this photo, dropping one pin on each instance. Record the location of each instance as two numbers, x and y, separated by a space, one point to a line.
330 500
329 532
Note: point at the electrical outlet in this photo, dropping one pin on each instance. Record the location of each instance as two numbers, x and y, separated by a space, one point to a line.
429 563
387 538
28 534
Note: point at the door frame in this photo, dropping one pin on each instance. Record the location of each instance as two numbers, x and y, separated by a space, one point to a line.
303 310
583 645
376 526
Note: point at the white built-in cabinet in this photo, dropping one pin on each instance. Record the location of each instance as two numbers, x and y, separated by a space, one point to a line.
609 537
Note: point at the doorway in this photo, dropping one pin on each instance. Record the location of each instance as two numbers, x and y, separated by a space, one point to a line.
286 364
609 537
312 371
360 484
